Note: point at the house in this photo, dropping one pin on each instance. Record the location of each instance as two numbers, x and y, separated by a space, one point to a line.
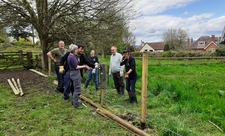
205 43
152 47
222 39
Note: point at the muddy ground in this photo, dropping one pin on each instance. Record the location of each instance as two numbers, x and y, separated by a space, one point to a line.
28 80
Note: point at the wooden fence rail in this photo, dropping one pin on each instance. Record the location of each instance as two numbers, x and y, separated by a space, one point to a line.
19 59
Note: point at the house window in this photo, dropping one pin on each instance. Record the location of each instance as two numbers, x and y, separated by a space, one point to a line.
201 43
146 50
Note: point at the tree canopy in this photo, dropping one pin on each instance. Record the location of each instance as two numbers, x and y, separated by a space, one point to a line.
100 22
175 39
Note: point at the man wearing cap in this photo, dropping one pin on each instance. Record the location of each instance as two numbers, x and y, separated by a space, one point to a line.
55 55
117 71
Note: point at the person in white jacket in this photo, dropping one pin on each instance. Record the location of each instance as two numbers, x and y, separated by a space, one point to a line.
117 71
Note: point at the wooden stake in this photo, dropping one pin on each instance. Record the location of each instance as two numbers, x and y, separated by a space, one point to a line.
102 81
49 66
20 88
39 73
13 88
125 124
144 88
15 85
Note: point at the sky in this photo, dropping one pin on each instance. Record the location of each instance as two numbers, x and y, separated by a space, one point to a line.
197 17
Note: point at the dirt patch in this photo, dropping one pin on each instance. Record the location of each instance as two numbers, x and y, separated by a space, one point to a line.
28 80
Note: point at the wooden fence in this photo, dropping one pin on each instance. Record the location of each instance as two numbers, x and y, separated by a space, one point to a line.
14 60
154 61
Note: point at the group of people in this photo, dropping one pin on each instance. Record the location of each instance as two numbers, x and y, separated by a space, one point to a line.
69 65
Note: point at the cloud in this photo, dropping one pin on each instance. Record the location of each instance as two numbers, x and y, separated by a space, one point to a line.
151 28
157 6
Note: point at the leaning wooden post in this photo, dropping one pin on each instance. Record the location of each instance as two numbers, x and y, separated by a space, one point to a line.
49 66
144 88
102 81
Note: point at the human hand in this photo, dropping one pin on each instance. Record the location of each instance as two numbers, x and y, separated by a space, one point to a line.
121 73
61 69
96 65
127 75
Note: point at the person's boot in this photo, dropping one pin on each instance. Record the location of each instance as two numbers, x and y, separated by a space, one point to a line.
134 99
130 97
78 106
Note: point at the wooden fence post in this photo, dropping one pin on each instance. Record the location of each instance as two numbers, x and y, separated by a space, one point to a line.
102 81
42 62
144 88
29 59
49 66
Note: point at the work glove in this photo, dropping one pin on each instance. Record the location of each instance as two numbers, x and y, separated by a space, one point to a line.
127 75
121 73
96 65
93 71
54 60
61 69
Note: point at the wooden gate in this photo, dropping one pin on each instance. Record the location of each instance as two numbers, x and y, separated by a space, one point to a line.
16 60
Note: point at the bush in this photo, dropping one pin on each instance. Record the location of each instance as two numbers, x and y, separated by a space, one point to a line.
168 54
220 52
181 54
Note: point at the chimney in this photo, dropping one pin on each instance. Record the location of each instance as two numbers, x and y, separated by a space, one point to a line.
191 40
213 38
189 44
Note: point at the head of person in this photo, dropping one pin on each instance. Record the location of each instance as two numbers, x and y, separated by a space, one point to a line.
113 50
80 49
61 44
73 49
127 53
92 53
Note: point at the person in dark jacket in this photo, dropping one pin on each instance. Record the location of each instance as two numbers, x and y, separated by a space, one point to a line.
131 75
94 72
68 86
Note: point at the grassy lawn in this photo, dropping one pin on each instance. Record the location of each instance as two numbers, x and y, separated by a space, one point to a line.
41 112
182 99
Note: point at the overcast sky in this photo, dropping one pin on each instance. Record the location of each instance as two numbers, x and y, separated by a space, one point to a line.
198 17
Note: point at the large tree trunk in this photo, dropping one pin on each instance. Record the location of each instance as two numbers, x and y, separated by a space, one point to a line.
44 45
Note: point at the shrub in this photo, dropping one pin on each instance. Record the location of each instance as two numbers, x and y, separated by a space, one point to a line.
220 52
168 54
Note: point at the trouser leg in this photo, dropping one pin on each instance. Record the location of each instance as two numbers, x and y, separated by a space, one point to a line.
89 76
96 79
59 78
67 86
116 82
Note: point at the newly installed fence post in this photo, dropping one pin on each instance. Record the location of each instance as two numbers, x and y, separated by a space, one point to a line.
49 66
144 88
102 81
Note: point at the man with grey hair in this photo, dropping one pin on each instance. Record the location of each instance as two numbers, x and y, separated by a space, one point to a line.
55 55
117 71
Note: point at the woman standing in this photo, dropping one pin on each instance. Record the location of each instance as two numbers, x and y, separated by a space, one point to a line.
131 75
75 74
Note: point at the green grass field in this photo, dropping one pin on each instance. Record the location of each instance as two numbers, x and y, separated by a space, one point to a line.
182 99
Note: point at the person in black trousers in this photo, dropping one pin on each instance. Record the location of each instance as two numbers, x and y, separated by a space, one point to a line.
131 75
68 87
